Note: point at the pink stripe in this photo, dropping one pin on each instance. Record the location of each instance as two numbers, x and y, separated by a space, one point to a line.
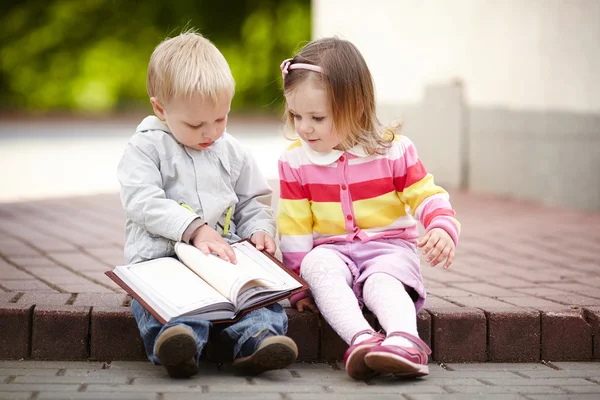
286 173
292 260
446 224
410 234
432 205
318 174
376 169
410 156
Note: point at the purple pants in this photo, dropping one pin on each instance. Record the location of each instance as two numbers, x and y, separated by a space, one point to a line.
395 257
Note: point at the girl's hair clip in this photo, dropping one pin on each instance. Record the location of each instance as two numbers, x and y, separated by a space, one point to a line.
286 65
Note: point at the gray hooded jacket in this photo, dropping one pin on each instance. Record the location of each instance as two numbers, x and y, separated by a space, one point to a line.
166 187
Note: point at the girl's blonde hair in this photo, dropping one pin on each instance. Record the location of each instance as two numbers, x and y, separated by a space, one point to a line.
186 65
349 86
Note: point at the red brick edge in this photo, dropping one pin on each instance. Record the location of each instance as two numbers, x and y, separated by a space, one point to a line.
101 327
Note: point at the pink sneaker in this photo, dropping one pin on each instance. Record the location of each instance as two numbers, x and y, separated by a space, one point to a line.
354 358
398 360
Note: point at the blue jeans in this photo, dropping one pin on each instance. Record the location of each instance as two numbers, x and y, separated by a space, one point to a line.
272 317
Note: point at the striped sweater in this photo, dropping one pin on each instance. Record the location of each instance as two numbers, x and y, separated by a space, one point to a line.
345 196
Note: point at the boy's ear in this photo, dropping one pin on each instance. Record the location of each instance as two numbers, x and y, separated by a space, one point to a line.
159 110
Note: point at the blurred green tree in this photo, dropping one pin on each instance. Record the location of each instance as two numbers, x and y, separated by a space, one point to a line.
92 55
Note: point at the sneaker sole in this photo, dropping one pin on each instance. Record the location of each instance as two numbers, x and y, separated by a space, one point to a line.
177 354
273 353
390 363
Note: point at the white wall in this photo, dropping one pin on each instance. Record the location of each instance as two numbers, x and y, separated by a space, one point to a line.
522 54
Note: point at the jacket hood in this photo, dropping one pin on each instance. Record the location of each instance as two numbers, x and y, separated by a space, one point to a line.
152 123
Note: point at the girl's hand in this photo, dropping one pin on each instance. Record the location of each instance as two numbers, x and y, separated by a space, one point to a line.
210 241
263 241
307 303
438 246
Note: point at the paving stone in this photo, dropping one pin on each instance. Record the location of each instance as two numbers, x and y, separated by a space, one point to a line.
6 297
26 285
586 366
464 396
513 335
15 395
566 336
28 387
60 332
44 298
558 381
32 379
504 389
582 389
497 367
96 396
570 373
113 300
303 328
449 324
28 371
9 272
219 396
424 326
15 328
114 334
563 397
158 372
592 315
20 364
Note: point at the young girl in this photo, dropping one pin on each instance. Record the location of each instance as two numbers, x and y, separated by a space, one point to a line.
351 192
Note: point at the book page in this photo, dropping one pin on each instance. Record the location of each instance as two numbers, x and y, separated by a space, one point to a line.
227 278
170 287
261 267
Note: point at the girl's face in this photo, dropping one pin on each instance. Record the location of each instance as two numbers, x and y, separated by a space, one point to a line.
310 109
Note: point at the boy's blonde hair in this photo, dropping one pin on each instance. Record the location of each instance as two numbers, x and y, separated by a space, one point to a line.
347 80
188 64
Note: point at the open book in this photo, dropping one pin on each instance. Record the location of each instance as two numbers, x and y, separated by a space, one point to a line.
206 287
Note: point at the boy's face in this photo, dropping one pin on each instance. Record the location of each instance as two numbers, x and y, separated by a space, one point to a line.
195 122
310 108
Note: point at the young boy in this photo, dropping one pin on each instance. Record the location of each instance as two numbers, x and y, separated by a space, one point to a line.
183 178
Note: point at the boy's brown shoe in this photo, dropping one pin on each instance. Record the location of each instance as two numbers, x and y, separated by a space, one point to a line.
176 351
265 351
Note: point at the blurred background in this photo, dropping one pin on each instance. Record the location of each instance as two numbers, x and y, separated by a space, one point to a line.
500 96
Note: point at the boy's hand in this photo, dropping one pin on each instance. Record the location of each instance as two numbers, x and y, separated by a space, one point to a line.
438 246
209 241
307 303
263 241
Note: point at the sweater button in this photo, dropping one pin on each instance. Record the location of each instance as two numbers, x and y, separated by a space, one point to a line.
344 187
342 159
349 217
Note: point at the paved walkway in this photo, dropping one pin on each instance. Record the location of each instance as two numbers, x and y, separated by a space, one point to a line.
525 285
510 252
140 380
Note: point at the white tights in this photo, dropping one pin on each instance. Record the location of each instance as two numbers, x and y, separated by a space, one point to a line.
330 281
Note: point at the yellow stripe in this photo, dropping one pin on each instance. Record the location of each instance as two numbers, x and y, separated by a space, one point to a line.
419 191
329 218
187 207
227 221
294 217
378 211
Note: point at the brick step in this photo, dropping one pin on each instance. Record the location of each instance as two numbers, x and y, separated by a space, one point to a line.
461 334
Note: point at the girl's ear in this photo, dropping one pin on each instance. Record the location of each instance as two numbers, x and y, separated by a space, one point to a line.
159 110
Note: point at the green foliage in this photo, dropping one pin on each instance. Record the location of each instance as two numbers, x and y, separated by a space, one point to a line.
92 55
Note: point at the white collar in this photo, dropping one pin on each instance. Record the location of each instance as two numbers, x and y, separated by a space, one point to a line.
331 156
